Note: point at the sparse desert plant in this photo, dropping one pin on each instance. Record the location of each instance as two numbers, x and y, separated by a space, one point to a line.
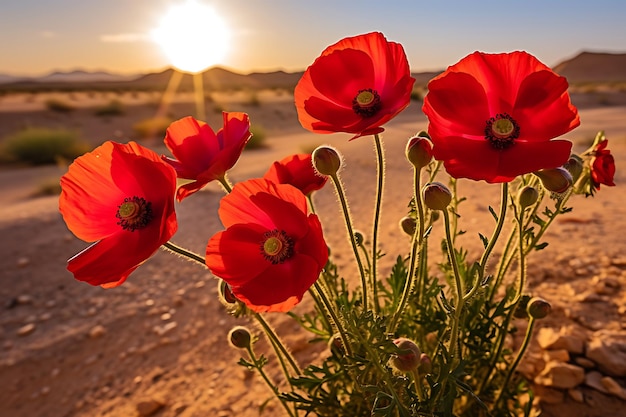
40 146
253 100
258 139
152 127
416 95
50 186
59 106
112 108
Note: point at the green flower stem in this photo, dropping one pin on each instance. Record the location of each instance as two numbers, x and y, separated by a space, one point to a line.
380 171
184 252
282 351
355 249
309 197
518 358
259 367
330 309
416 250
492 242
417 380
322 310
522 258
458 308
226 185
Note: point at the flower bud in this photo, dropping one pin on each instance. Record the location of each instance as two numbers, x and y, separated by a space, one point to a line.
326 160
336 346
436 196
239 337
426 365
419 151
527 196
358 237
538 308
408 225
408 358
557 180
575 167
226 296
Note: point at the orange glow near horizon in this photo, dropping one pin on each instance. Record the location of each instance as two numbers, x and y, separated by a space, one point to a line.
193 37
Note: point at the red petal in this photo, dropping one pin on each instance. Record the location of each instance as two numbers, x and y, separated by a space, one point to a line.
235 254
281 286
193 143
313 244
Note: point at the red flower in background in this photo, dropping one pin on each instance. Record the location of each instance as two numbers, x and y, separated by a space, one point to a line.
296 170
492 117
355 86
122 198
201 154
602 165
272 251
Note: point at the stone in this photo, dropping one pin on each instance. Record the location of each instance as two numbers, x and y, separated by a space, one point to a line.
149 407
550 339
97 331
613 387
584 362
593 379
576 395
26 329
608 351
558 355
24 299
549 395
561 375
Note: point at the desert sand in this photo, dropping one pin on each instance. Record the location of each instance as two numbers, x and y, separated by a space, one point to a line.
157 344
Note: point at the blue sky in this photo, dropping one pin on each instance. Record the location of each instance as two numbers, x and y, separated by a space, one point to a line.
39 36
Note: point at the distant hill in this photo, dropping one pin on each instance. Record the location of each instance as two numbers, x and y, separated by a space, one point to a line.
80 76
594 67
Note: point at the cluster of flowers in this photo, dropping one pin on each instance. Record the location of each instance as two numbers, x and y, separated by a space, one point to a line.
492 117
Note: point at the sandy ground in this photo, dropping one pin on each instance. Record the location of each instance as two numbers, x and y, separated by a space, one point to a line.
69 349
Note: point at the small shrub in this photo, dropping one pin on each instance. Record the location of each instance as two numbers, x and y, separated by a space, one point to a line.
153 127
257 141
59 106
113 108
253 100
40 146
416 95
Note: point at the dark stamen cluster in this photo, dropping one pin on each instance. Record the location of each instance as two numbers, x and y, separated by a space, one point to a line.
141 217
370 109
499 142
286 250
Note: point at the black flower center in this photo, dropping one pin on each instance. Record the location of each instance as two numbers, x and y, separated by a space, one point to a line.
501 131
366 103
277 246
134 213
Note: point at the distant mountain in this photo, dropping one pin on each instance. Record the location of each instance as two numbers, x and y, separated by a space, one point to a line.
594 67
80 76
5 78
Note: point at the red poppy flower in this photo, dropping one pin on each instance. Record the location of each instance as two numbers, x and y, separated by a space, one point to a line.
271 251
355 86
122 198
202 155
492 117
296 170
602 165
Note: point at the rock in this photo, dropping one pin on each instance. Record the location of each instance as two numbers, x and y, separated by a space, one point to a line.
149 407
166 328
24 299
593 379
559 355
26 329
609 352
22 262
613 387
576 395
561 375
584 362
550 339
97 331
549 395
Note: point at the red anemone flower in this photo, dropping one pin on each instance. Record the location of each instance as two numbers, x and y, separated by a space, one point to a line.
298 171
492 117
122 198
355 86
272 251
201 154
602 165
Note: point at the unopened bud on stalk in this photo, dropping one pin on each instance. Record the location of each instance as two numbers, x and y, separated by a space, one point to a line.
436 196
538 308
358 237
575 167
426 365
408 225
239 337
408 359
226 296
557 180
419 150
326 160
527 196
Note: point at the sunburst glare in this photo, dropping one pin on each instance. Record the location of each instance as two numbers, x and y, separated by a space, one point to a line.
193 36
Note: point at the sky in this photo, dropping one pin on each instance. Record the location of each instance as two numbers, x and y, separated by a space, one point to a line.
41 36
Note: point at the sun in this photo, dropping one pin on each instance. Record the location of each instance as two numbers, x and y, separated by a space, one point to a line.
193 36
